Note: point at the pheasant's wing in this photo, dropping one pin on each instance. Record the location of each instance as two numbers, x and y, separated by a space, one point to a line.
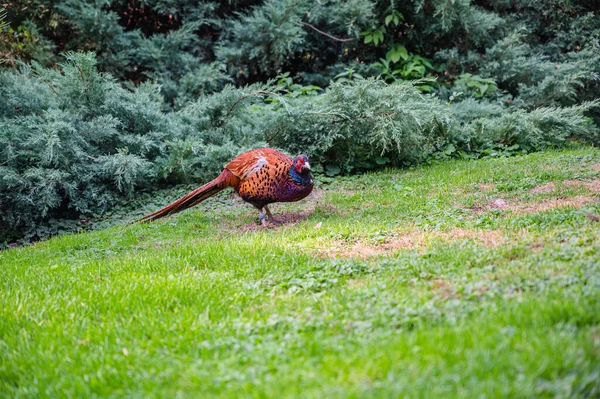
249 163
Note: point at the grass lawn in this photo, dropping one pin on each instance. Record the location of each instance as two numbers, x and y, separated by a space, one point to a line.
463 279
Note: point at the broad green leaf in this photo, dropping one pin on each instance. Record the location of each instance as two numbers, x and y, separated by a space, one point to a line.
381 160
332 170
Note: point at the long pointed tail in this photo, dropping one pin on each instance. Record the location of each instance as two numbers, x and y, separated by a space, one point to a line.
225 179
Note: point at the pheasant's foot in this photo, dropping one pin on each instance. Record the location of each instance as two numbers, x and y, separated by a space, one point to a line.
274 221
270 220
270 217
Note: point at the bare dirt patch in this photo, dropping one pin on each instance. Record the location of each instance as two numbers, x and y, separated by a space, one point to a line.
414 240
497 204
593 186
592 216
517 208
444 288
596 167
281 220
543 189
539 206
360 249
486 186
573 202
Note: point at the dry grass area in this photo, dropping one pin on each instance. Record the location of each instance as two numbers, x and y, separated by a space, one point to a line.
520 208
517 207
546 205
418 239
281 220
592 186
543 189
285 219
421 240
486 186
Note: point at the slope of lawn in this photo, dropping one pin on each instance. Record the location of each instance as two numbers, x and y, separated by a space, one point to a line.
461 279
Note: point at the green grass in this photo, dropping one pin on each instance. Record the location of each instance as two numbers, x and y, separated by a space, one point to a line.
197 306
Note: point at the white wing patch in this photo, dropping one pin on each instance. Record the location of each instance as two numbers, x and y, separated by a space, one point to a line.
255 167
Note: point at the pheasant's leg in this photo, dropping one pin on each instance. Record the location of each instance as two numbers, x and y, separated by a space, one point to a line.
261 217
270 215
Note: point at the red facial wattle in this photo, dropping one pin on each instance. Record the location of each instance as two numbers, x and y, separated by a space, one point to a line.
299 165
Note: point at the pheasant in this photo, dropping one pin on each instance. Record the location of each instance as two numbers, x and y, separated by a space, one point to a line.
261 177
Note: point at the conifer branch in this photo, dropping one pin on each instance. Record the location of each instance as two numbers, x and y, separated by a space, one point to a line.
242 98
350 39
347 119
287 14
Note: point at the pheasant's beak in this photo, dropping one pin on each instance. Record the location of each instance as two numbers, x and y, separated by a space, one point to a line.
306 166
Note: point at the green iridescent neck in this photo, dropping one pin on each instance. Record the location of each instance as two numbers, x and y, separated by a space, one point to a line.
299 178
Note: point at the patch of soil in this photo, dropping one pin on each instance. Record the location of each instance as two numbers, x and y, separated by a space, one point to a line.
592 216
543 189
573 202
537 245
444 288
486 186
593 185
476 208
541 206
282 220
596 167
418 239
359 249
497 204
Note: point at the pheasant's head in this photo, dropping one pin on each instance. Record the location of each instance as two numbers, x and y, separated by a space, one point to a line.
301 165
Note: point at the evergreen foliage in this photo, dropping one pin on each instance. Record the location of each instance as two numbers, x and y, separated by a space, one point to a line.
99 99
366 123
537 53
72 140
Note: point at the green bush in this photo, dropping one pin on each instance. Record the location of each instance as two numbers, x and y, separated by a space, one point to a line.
365 123
74 142
540 52
359 124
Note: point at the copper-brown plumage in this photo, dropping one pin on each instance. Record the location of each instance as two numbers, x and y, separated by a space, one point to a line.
260 177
